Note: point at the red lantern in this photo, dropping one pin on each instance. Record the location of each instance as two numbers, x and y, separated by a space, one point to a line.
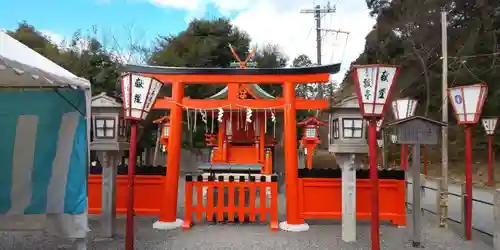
373 84
310 136
467 102
165 129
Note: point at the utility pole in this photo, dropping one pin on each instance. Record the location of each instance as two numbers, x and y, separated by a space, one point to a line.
443 187
317 11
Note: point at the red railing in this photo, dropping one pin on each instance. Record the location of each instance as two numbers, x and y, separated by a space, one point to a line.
235 184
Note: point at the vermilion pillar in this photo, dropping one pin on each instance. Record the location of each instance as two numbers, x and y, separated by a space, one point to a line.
291 166
262 137
168 211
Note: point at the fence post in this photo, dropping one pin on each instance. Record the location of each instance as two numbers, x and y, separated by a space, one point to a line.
442 203
464 207
496 220
422 191
438 198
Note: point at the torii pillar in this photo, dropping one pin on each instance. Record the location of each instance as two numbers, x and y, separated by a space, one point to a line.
293 221
168 211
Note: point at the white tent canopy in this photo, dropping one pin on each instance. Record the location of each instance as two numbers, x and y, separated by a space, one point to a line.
45 135
23 66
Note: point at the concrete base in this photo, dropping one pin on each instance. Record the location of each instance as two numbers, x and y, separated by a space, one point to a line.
160 225
294 227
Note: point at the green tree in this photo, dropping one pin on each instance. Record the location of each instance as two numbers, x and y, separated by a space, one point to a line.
270 56
205 43
84 56
407 34
304 90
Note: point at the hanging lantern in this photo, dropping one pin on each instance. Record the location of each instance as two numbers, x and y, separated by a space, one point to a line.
164 122
467 102
310 137
373 85
394 138
139 93
404 108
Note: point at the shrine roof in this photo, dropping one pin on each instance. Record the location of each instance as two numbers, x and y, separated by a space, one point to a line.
255 88
416 117
331 68
346 103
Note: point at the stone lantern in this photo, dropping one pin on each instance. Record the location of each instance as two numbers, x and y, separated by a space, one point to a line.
109 141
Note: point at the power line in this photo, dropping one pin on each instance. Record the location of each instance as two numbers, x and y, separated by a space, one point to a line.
475 56
318 11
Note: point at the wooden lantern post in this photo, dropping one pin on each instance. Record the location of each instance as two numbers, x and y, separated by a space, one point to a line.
467 102
310 136
139 94
402 109
373 85
490 125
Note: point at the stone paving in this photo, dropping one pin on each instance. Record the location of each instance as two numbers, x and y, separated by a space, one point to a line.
322 235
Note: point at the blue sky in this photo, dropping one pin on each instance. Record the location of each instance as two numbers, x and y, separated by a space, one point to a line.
266 21
63 17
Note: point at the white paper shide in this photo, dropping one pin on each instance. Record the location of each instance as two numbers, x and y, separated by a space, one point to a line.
139 94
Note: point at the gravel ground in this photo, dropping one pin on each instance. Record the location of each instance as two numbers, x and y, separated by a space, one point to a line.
322 235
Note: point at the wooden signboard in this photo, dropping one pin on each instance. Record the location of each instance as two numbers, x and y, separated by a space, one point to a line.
417 130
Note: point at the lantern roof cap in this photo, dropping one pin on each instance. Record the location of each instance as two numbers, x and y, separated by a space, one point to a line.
105 99
163 119
425 119
312 120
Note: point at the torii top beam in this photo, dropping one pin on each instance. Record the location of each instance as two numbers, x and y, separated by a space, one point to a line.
318 74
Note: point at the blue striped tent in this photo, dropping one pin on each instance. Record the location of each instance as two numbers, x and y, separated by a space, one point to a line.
43 134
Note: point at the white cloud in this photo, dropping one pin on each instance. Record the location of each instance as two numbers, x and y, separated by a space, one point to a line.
53 36
280 22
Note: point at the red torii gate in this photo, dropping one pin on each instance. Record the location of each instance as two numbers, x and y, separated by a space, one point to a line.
288 77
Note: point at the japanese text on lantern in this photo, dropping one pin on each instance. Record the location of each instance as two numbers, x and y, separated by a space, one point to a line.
366 84
386 76
154 89
139 91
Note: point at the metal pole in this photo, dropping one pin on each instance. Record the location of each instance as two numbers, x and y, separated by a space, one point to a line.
372 144
491 178
129 237
443 213
417 223
468 183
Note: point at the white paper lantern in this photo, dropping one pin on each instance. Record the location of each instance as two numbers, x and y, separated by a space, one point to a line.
489 125
467 102
373 85
394 138
404 108
139 93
